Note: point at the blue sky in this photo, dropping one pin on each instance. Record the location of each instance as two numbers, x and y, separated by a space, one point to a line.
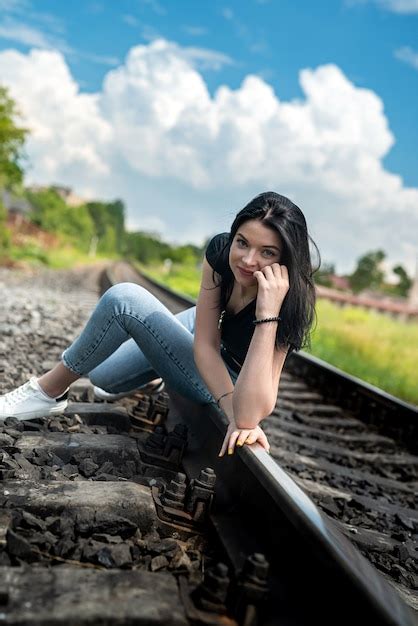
355 47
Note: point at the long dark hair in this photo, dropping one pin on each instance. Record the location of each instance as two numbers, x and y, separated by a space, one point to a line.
298 309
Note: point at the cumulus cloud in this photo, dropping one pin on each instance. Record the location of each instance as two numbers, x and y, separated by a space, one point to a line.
156 137
68 132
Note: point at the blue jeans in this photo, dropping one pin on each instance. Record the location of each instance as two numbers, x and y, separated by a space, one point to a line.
132 338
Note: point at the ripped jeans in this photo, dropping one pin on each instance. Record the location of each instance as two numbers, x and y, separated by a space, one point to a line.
132 338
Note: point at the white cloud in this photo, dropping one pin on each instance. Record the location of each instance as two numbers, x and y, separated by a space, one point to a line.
22 33
408 55
97 58
10 9
206 59
402 7
399 6
14 6
67 131
195 31
95 8
155 6
151 223
131 20
186 161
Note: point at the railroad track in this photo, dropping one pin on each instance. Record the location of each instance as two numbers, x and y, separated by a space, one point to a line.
122 513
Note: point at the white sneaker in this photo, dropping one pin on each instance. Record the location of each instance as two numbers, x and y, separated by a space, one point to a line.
149 388
29 401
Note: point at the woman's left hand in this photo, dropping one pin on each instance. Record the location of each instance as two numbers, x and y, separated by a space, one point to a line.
239 436
273 285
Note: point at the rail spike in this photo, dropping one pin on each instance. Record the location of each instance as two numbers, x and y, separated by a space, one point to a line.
211 594
201 494
252 588
175 494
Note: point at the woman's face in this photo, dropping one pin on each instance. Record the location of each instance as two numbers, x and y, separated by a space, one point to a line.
253 247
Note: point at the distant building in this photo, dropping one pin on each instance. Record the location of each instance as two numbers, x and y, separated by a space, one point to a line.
16 207
339 282
66 193
400 309
69 196
13 204
413 292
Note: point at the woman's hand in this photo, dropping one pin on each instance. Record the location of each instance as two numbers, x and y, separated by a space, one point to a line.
239 436
273 285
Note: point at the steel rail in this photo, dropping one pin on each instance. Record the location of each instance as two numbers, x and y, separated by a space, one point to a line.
279 508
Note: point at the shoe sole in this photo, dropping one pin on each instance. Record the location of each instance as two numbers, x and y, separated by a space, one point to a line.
31 415
110 398
116 396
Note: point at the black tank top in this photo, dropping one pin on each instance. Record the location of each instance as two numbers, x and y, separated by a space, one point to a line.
236 330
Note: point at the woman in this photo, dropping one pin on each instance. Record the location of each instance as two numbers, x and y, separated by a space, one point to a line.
256 305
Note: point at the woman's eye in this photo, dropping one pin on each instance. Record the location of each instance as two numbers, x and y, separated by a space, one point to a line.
269 253
240 242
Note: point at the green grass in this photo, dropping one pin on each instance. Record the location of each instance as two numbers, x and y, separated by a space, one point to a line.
63 257
182 278
70 257
378 349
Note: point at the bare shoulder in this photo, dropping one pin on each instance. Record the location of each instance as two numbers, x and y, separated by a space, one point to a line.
208 307
210 278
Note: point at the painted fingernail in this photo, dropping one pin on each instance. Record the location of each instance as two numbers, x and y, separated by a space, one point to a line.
239 444
230 451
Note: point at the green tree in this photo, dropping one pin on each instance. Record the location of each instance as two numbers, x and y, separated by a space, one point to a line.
405 283
368 274
109 224
146 247
12 139
187 254
322 275
4 231
52 213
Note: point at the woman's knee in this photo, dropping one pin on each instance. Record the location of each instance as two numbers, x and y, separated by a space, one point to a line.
125 290
124 294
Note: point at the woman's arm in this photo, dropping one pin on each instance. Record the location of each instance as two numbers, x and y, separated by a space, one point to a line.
207 341
257 385
206 347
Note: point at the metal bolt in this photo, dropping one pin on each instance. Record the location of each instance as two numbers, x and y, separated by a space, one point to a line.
174 495
207 477
211 594
178 484
221 570
157 438
175 445
256 567
180 430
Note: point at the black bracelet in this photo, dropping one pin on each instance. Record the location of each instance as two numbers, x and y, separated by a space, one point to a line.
268 319
223 396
